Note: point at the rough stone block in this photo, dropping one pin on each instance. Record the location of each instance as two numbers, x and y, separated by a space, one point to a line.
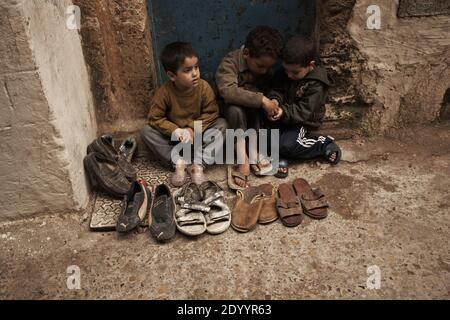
28 99
15 51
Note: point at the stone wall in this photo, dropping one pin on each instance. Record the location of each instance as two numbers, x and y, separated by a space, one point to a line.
348 100
47 110
392 77
117 47
408 63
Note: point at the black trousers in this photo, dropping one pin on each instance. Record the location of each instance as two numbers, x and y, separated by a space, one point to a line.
299 144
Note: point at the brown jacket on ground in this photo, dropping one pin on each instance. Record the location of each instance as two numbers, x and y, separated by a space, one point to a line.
172 109
237 85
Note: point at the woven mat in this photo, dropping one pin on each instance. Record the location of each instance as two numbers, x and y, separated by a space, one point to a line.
107 209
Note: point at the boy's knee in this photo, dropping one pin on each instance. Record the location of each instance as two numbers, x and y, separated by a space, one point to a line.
236 117
221 125
149 134
235 112
287 146
145 132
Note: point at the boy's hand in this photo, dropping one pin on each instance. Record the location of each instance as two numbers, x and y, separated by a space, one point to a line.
184 135
277 116
270 106
191 134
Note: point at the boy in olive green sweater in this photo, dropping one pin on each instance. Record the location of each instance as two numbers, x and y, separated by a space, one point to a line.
176 105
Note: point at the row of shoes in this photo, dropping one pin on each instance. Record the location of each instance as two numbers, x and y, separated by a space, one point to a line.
291 202
110 169
192 210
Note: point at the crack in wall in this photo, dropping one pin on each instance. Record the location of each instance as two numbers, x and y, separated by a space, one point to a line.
11 104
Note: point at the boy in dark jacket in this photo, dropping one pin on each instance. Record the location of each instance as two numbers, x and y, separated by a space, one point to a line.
301 91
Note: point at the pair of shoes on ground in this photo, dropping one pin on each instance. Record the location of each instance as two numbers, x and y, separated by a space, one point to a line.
330 149
258 169
108 168
297 199
201 208
179 177
140 204
254 205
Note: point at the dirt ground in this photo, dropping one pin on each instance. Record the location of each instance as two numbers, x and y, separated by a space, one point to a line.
390 208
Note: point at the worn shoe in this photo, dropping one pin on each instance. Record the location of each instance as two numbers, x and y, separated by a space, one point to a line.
104 173
218 218
128 148
135 205
247 209
161 218
105 146
189 217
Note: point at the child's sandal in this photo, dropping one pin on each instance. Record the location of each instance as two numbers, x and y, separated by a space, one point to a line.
329 150
197 177
283 164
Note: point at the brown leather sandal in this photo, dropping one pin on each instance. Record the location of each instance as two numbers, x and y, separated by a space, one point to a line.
313 201
268 210
288 206
247 209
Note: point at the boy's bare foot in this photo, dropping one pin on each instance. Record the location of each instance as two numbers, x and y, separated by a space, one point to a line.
283 170
262 163
332 157
197 175
245 170
333 153
178 178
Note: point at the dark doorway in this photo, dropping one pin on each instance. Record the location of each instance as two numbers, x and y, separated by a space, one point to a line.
216 27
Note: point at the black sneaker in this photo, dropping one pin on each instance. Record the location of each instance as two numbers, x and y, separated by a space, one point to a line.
135 206
161 219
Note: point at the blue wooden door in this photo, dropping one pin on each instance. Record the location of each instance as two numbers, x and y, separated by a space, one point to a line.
215 27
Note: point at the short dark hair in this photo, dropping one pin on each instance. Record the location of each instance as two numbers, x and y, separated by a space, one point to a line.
174 54
264 40
299 50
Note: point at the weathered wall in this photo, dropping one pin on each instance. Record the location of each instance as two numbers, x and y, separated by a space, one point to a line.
385 78
407 61
348 99
117 47
46 110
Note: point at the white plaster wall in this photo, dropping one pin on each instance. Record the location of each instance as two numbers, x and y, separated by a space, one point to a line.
409 58
45 111
61 66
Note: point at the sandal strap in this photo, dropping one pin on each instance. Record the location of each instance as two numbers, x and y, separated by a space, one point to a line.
213 197
287 204
239 175
317 194
195 206
216 216
187 217
320 202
